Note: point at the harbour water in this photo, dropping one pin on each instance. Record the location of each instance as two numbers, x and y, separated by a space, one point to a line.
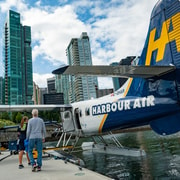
162 160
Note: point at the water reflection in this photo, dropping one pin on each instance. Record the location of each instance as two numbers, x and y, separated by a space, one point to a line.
161 162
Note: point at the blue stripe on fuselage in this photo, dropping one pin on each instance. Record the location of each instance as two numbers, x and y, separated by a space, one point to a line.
140 116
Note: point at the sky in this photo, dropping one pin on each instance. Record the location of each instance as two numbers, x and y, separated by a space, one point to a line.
116 28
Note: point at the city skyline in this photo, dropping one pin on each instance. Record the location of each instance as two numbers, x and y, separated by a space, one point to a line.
116 30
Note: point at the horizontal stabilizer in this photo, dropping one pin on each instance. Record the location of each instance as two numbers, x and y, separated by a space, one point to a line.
116 71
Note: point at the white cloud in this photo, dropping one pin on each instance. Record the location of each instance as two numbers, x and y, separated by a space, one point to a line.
41 79
103 85
8 4
123 29
53 30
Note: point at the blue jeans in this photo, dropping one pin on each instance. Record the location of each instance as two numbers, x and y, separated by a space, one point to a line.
38 144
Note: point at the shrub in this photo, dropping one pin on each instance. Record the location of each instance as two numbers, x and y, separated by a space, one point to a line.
4 122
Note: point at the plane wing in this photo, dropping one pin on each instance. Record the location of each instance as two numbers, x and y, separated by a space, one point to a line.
116 71
28 108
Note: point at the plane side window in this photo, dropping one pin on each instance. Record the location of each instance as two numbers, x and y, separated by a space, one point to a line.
80 113
66 115
87 112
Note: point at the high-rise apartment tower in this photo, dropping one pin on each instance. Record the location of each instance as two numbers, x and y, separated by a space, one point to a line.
18 81
79 53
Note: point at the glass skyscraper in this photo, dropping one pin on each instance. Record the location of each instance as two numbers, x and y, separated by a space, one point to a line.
79 87
1 90
62 86
18 81
116 81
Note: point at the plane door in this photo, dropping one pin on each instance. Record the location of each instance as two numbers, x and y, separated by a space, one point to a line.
67 121
76 113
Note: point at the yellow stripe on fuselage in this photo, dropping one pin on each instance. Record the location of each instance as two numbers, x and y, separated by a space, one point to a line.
105 115
102 122
127 89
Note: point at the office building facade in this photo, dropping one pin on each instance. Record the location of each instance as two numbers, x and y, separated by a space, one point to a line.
1 90
104 92
18 80
51 85
62 86
43 91
56 98
116 80
36 93
79 53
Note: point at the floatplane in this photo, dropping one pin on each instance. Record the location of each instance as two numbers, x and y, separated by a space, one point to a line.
150 96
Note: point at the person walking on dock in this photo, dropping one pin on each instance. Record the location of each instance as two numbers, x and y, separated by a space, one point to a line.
36 133
22 136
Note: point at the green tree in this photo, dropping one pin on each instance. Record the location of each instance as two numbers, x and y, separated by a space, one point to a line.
5 115
56 116
18 117
14 114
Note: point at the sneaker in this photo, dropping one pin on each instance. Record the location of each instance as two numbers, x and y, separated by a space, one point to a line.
34 168
21 166
38 168
29 163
